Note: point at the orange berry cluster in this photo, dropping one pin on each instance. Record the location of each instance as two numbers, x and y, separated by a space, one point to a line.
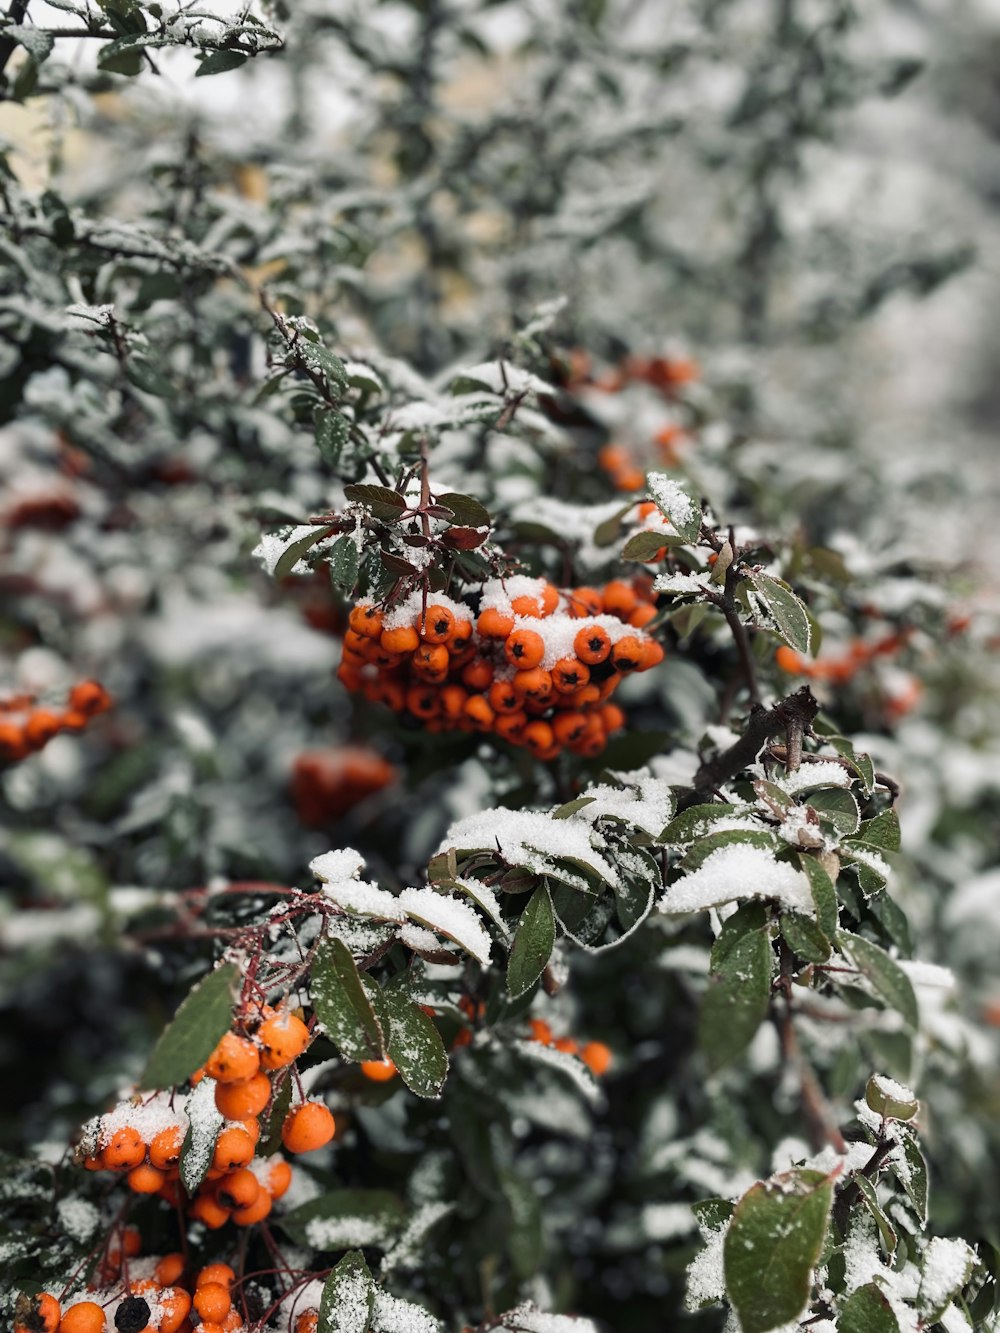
594 1054
143 1138
154 1296
326 784
25 728
845 666
537 668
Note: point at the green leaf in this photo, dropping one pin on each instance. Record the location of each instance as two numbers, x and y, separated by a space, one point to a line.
345 1219
295 550
343 1009
748 917
838 809
643 546
824 894
145 376
220 61
606 533
381 502
571 807
870 1196
533 943
885 976
332 432
525 1237
36 41
867 1311
348 1301
736 1001
696 821
320 358
469 513
204 1122
203 1018
121 57
787 614
805 938
772 1247
415 1046
881 832
345 560
280 1106
675 504
913 1176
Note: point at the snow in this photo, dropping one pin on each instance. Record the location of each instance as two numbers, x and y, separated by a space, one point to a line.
148 1114
393 1315
739 871
646 802
947 1265
679 584
78 1218
530 839
671 499
419 939
565 1064
528 1318
666 1221
825 773
706 1279
344 1233
897 1092
365 898
448 916
409 611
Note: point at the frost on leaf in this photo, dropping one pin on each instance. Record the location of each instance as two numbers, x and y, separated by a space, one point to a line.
450 917
739 871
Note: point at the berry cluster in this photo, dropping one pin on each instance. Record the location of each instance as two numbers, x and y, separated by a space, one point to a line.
326 784
140 1294
143 1138
594 1054
25 728
537 668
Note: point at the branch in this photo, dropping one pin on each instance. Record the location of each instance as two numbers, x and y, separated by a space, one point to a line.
795 713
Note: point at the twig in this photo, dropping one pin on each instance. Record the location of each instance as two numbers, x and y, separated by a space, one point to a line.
798 710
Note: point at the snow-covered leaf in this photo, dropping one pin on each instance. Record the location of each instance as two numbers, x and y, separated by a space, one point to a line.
348 1299
345 1219
343 1010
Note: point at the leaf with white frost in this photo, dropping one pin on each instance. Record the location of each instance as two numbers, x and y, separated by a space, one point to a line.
449 917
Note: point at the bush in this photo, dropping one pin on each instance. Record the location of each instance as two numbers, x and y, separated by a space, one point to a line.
559 957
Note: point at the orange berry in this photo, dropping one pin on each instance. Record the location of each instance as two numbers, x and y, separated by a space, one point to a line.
404 640
789 660
478 675
569 674
212 1326
524 649
619 598
40 727
43 1315
479 713
549 598
241 1101
629 479
89 698
540 1031
145 1179
282 1039
612 457
253 1212
652 654
234 1059
584 602
307 1321
612 717
538 736
437 625
423 701
239 1189
170 1191
526 605
216 1273
165 1148
494 624
569 727
124 1150
627 654
535 683
453 699
566 1044
175 1306
307 1127
592 644
232 1321
366 620
642 615
379 1071
279 1178
131 1241
169 1269
252 1126
205 1209
597 1057
212 1301
84 1317
511 726
431 659
233 1148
